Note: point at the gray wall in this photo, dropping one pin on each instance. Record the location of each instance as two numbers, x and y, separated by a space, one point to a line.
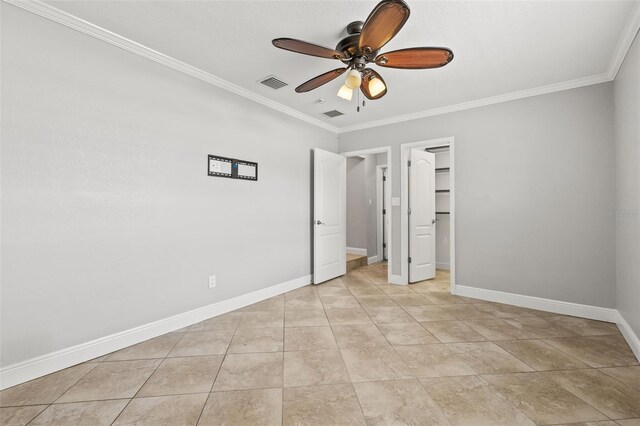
361 189
356 203
443 248
627 211
108 218
533 179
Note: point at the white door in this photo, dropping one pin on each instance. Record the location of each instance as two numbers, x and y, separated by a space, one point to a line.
329 215
422 216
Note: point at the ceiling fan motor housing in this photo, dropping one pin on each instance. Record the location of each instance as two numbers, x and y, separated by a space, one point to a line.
350 44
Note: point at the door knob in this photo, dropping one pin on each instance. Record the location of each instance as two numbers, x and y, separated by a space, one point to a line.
319 223
433 221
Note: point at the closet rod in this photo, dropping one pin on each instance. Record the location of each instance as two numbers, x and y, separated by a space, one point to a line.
443 212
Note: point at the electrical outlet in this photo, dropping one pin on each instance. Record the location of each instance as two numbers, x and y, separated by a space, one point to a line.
212 281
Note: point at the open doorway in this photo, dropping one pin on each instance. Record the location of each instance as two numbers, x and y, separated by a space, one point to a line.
428 227
368 208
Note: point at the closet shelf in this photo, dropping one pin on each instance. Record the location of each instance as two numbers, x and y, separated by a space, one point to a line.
433 148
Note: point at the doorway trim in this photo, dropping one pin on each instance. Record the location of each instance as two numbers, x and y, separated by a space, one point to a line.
380 203
405 150
382 150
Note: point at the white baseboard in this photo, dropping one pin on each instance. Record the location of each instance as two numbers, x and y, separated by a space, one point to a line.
632 338
539 303
372 259
559 307
36 367
443 265
358 251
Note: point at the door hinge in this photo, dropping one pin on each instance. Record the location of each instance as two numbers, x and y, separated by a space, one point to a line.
384 178
409 163
409 210
409 259
384 245
384 211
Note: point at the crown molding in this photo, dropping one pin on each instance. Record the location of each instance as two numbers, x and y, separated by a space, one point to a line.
625 41
73 22
49 12
521 94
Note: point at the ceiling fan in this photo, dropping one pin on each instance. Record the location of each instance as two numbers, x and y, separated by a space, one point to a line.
362 47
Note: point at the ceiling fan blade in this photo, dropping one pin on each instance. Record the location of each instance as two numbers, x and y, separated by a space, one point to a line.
384 22
318 81
305 48
371 88
416 58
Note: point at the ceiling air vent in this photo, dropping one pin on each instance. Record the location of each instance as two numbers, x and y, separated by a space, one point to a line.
274 82
333 113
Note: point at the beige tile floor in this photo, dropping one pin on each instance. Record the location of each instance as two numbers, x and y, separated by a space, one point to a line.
354 350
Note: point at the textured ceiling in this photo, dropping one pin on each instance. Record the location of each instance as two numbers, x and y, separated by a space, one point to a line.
500 47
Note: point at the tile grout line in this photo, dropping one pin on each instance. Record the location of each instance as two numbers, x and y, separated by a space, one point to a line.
545 340
505 398
342 357
586 402
145 382
414 377
572 393
389 343
417 378
535 340
74 383
224 356
361 307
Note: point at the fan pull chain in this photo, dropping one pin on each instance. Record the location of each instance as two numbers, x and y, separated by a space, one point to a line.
363 102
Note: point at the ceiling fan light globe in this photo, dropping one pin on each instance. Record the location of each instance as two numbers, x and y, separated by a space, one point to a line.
353 80
376 86
345 93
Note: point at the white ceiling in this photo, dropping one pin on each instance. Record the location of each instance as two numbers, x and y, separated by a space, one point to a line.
500 46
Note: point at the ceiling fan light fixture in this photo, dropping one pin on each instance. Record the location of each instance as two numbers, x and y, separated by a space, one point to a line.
345 93
376 86
353 80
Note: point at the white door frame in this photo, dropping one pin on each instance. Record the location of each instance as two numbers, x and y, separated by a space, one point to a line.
379 206
405 150
381 150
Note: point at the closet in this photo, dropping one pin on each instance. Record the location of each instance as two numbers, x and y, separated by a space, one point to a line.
443 203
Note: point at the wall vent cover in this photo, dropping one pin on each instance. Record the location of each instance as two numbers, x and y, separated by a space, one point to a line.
273 82
333 113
